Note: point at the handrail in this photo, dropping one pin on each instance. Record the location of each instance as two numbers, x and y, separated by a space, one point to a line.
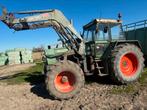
136 25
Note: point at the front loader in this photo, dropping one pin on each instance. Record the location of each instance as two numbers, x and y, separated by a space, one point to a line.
96 52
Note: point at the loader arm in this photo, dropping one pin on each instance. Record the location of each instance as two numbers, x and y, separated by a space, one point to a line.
43 19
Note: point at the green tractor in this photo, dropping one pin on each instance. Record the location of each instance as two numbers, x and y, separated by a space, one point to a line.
107 52
102 49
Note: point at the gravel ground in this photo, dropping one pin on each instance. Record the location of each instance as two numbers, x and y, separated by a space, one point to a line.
94 96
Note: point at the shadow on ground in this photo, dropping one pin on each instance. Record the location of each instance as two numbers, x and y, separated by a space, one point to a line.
23 77
40 90
38 85
100 79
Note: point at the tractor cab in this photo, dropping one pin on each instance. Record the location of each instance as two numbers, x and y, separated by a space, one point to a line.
103 29
99 33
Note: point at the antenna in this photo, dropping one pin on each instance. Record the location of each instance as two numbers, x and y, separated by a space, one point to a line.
100 16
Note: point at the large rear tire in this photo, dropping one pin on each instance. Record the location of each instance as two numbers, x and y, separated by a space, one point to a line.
64 80
127 63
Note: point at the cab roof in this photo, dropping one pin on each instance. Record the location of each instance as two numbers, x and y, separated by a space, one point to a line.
102 22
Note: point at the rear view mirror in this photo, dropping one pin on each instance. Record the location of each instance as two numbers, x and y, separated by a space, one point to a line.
105 29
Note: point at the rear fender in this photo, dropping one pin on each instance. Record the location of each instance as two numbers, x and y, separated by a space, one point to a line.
135 42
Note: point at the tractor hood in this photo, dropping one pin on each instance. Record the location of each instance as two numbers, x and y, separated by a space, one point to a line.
55 52
52 54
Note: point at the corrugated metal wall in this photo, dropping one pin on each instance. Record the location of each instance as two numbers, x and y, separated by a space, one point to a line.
140 35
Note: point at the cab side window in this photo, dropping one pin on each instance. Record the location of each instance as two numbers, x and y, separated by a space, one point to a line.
88 36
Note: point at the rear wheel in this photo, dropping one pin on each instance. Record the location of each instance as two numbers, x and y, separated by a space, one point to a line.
127 63
64 80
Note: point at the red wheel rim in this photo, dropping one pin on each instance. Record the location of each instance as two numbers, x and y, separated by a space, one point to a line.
129 64
64 82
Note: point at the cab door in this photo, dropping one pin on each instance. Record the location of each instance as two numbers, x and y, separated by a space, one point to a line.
89 43
101 43
96 43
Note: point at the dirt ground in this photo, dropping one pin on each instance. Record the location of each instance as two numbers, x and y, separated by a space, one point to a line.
94 96
13 69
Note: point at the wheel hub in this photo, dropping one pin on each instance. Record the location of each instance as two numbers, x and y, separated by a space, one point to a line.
125 63
64 82
64 79
129 64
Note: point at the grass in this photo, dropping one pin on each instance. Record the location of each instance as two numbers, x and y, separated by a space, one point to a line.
32 75
129 89
143 79
132 88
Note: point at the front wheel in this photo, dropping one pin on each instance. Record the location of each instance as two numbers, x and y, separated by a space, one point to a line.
127 63
64 80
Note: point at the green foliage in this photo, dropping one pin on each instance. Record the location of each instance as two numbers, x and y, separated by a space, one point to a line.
143 78
32 75
125 89
132 88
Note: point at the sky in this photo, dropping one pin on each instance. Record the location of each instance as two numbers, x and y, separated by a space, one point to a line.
80 11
